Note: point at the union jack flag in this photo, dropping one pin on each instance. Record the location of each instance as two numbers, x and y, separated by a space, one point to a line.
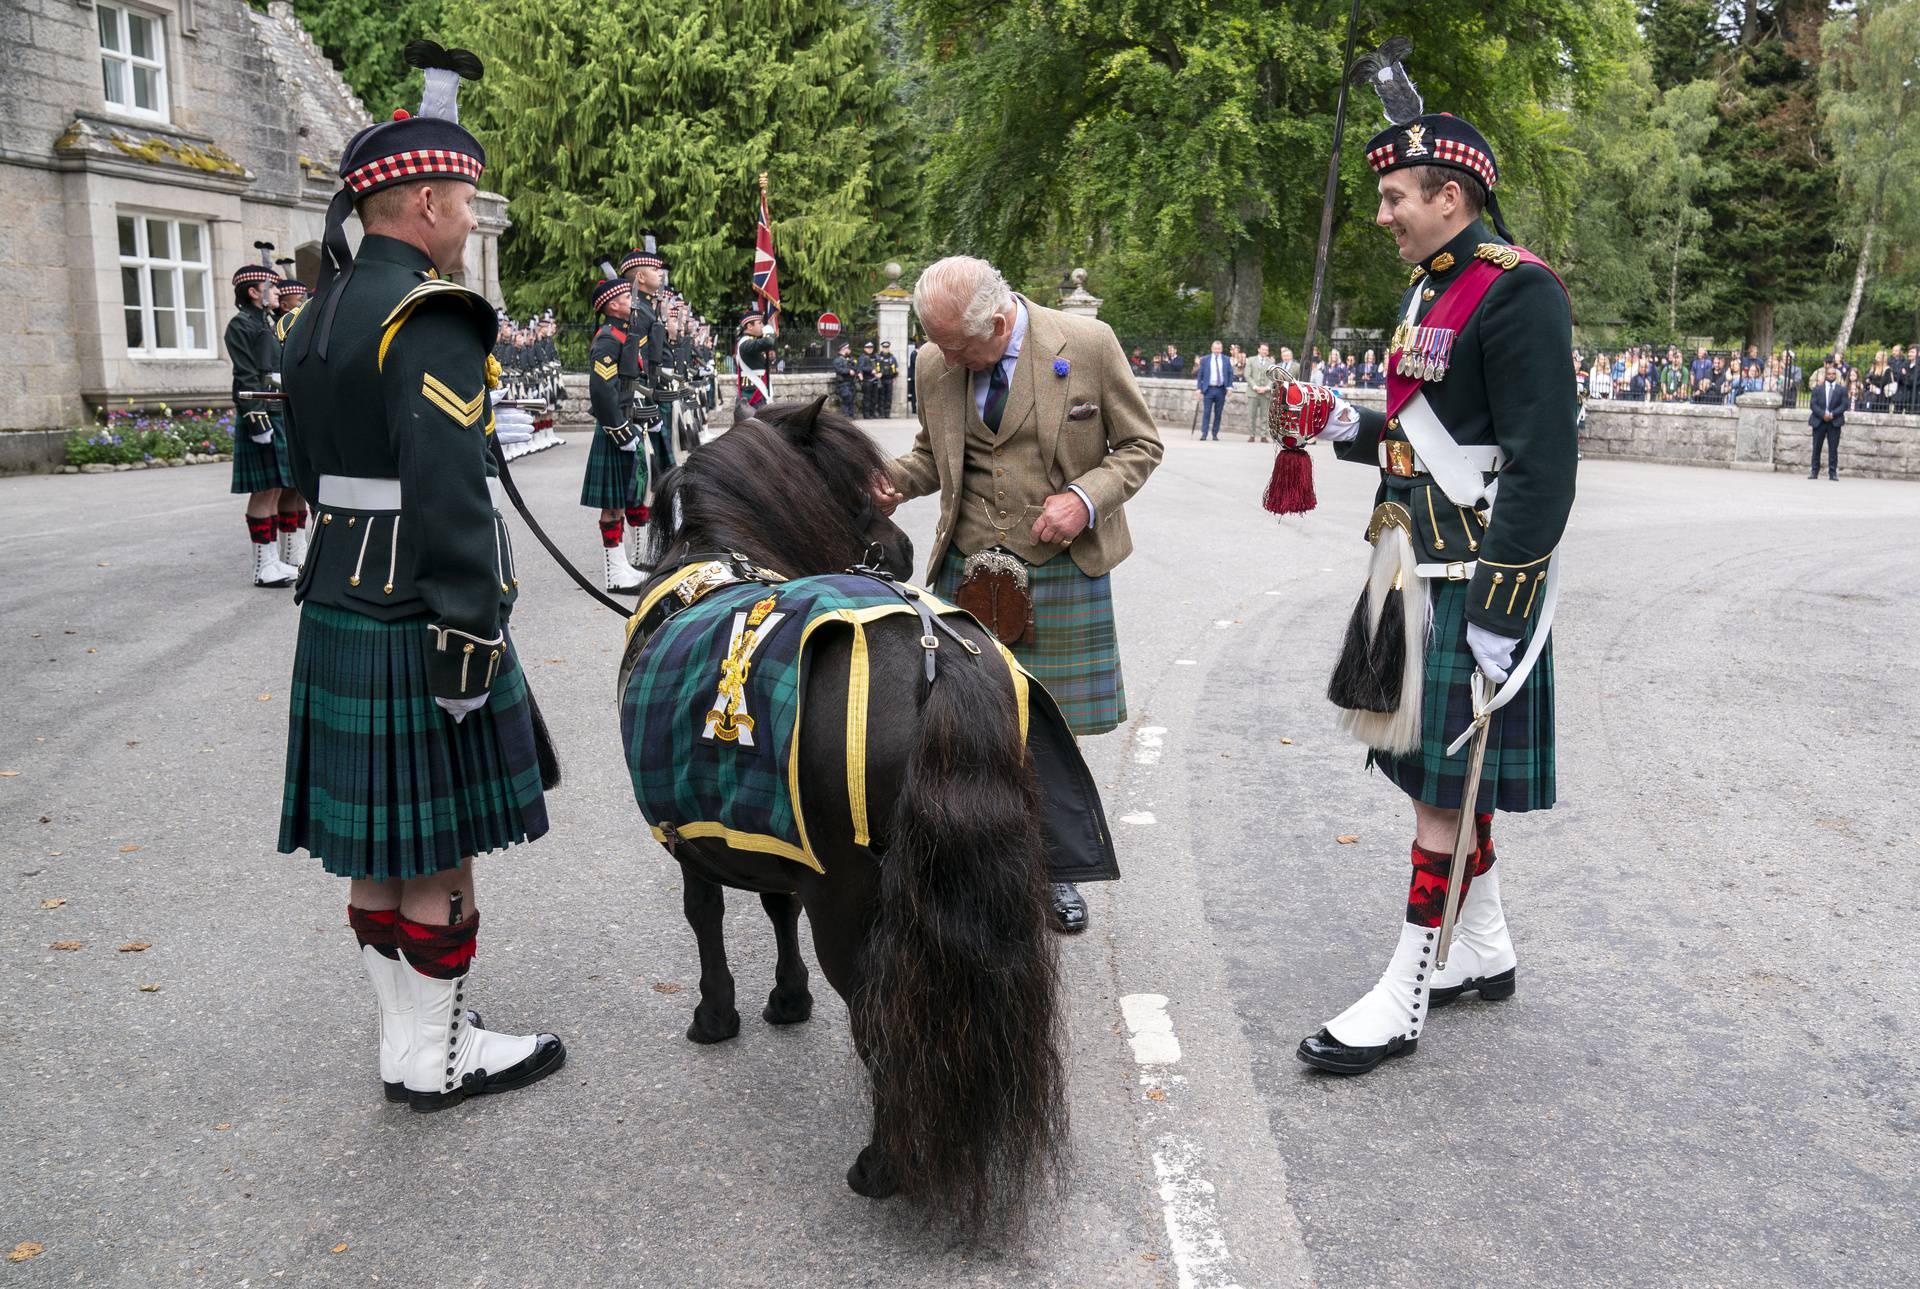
766 273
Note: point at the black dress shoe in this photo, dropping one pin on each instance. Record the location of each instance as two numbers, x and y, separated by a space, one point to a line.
548 1055
1325 1052
397 1092
1069 909
1492 989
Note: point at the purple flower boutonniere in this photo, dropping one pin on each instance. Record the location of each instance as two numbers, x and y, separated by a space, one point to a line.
1061 366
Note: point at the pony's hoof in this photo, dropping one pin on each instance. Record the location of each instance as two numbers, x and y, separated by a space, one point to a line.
870 1175
787 1009
709 1028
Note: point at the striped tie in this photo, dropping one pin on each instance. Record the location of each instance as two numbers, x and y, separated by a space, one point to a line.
996 398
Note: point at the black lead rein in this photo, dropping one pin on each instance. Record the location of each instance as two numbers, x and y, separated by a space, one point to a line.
519 504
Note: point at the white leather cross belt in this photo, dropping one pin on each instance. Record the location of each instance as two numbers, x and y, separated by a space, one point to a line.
349 493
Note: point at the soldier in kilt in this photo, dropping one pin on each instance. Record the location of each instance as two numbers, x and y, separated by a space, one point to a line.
413 742
261 470
616 478
1479 404
1035 435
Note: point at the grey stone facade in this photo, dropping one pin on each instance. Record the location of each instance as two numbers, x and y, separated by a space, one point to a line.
253 124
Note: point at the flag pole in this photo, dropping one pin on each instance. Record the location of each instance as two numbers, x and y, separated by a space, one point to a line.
773 309
1305 359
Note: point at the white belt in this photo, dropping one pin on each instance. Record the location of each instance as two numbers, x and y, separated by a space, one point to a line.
1458 571
1488 458
349 493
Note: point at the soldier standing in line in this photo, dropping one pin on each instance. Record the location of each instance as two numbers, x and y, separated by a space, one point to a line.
887 369
1480 396
648 357
413 744
261 470
750 357
845 380
616 473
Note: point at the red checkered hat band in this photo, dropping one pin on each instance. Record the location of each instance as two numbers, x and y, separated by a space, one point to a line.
422 164
1381 157
636 259
1465 154
248 274
609 292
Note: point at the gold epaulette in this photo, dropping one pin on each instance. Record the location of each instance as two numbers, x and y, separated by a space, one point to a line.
285 324
1419 271
1495 253
430 289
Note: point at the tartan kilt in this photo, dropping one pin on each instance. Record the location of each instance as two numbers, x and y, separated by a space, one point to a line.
1519 771
259 466
380 783
615 480
1076 649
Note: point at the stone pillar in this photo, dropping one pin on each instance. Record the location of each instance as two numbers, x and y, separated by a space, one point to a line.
1080 300
1753 432
890 308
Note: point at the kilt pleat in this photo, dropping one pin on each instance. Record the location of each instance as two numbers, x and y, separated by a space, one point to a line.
1519 771
259 466
380 783
1076 647
613 478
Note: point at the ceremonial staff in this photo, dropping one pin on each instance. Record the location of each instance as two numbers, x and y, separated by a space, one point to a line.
1305 359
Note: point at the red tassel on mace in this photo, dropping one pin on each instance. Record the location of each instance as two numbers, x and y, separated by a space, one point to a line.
1300 412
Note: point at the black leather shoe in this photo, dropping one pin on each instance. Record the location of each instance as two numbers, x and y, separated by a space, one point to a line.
548 1055
397 1092
1491 989
1325 1052
1069 909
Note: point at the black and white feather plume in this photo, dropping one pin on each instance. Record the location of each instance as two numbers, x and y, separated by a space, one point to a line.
442 69
1383 69
266 253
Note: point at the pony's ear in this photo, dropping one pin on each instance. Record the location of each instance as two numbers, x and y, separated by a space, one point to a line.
804 424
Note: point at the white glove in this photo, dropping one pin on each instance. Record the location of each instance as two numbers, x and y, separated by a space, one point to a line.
631 445
1344 424
459 708
1493 652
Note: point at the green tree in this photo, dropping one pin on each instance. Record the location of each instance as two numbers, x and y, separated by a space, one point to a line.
364 40
1195 132
1870 89
606 118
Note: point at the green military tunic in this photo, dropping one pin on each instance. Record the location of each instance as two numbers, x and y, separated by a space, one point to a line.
408 586
1508 383
253 347
615 479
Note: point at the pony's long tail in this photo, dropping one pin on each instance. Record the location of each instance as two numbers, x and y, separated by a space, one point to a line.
957 1015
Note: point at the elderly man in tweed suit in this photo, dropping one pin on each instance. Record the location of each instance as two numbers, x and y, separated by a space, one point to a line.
1035 435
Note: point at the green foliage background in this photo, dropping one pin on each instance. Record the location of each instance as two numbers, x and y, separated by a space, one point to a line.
1678 160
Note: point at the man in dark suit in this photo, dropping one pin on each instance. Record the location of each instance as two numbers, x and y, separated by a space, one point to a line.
1828 415
1211 381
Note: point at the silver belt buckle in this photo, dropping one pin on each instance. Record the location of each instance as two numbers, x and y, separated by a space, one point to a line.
1457 571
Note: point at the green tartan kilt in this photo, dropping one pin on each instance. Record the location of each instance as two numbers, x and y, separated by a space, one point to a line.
1519 771
259 466
615 480
1076 649
381 783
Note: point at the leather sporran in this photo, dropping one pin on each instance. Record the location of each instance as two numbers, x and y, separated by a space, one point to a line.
995 588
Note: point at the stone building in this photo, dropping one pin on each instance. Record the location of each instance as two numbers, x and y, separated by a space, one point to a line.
145 145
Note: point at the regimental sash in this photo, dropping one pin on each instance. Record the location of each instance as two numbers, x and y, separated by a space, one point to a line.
1422 350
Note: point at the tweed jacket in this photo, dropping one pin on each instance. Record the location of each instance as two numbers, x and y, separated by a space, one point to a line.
1108 450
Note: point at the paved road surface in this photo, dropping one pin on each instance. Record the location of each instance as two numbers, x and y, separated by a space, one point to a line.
1708 1076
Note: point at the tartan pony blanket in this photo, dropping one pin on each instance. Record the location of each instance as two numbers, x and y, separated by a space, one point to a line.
711 708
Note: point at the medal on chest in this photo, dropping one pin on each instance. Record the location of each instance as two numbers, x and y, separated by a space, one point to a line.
1421 353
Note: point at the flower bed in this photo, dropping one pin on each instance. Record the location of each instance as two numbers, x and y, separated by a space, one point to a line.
128 439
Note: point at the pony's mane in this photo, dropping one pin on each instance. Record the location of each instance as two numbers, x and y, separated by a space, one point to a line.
782 487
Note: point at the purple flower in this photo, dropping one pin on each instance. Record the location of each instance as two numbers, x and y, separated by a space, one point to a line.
1061 366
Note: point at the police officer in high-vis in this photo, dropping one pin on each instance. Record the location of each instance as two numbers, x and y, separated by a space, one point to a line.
413 742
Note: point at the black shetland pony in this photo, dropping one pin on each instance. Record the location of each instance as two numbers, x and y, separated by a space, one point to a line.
935 934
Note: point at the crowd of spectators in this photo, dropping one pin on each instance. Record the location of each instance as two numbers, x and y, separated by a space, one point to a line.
1341 371
1891 382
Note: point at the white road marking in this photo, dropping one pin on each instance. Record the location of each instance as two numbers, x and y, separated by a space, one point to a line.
1147 742
1223 622
1138 817
1201 1259
1186 662
1276 592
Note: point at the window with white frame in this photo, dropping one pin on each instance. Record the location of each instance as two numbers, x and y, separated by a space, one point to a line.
166 286
133 60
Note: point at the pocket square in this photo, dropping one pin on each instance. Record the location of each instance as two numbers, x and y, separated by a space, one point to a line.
1083 411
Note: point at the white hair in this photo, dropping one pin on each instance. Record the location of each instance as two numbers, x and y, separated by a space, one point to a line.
970 291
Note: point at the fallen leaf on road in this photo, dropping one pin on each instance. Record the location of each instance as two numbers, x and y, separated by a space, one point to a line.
9 774
52 904
665 987
1157 1094
134 946
221 1127
128 850
68 946
266 698
133 742
93 651
150 989
103 564
69 632
556 660
1149 1257
46 819
26 1249
1286 742
1347 838
55 854
339 1248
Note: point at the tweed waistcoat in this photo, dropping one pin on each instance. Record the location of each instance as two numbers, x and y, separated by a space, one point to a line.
1003 487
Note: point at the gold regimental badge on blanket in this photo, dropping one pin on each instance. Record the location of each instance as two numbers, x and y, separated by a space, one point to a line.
728 721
